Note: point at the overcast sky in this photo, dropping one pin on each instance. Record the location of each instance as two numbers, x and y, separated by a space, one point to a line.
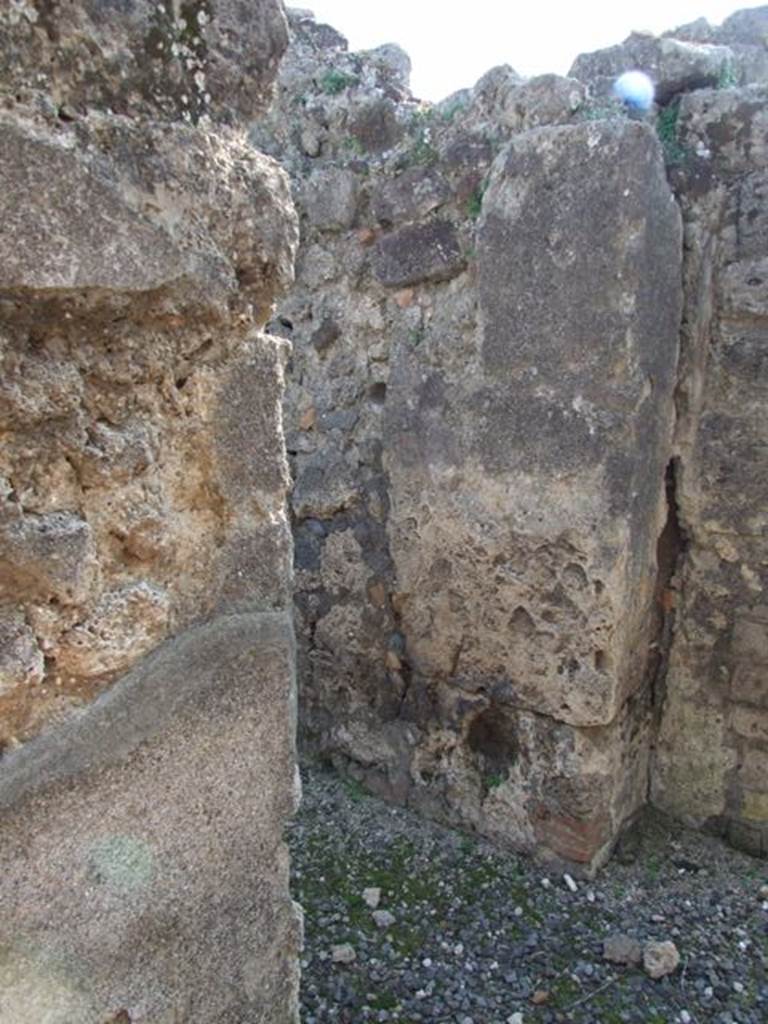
452 44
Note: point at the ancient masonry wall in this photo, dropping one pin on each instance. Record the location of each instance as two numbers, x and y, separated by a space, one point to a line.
528 509
146 642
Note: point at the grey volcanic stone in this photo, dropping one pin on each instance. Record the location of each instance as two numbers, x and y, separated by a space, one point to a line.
675 66
111 826
411 195
423 252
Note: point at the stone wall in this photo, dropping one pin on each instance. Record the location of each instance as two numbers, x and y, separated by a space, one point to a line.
483 418
147 657
712 760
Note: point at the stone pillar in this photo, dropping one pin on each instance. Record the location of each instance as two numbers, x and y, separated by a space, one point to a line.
527 491
146 645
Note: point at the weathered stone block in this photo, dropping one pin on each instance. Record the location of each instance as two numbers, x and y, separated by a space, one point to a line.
749 836
410 196
423 252
375 126
755 804
331 198
215 237
543 100
751 723
142 494
692 758
142 862
560 403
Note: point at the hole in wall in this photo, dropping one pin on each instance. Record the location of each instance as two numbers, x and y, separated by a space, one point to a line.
492 738
377 393
670 550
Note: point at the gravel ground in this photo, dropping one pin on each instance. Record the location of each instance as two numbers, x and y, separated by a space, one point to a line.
474 935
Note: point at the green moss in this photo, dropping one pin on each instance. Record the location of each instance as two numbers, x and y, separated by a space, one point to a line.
728 77
474 207
334 82
667 128
353 145
354 790
422 152
384 1001
450 112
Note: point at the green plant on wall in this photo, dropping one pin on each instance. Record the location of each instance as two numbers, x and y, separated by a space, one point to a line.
728 77
422 151
334 81
450 112
475 201
668 130
353 146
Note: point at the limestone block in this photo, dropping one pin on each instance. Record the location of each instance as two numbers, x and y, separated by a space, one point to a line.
713 730
692 759
748 27
115 454
144 871
145 59
34 389
725 134
527 496
392 63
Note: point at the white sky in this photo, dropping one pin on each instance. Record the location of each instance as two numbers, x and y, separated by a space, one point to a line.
452 44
